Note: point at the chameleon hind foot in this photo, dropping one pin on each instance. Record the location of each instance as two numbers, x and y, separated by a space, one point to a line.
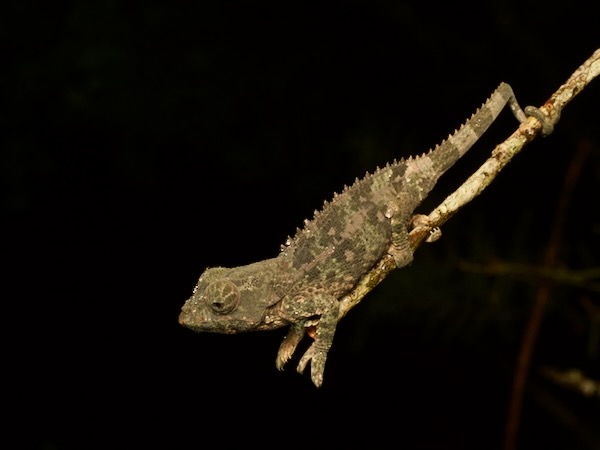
421 220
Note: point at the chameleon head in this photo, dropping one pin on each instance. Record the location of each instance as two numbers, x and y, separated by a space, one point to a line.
229 301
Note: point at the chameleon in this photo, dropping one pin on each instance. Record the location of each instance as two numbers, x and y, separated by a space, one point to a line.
301 287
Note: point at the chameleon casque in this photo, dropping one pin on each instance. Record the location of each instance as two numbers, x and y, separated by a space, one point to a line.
302 286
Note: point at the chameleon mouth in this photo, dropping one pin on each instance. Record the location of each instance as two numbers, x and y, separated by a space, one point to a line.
184 318
190 319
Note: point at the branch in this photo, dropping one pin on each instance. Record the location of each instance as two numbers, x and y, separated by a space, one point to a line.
477 182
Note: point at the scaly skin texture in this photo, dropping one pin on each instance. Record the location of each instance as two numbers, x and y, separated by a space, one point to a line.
301 287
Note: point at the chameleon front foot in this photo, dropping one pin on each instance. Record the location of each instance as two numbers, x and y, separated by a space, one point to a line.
315 354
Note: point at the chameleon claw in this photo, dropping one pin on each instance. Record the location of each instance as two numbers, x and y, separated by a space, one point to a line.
434 235
283 357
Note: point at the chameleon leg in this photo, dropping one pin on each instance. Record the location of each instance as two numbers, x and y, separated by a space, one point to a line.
400 248
317 352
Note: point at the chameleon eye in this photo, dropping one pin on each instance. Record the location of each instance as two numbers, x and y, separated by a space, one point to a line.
222 296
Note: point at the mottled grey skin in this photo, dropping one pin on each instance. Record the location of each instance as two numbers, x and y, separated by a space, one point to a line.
302 286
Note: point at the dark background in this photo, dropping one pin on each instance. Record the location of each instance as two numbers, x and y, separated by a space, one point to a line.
142 143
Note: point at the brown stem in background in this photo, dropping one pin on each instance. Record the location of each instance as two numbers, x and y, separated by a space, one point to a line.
543 294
